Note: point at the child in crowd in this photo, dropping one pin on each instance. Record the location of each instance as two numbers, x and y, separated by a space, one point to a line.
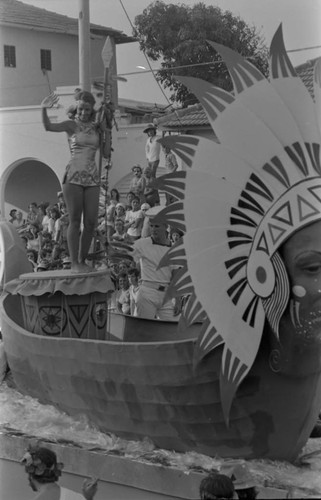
123 267
53 225
123 297
120 234
33 212
175 235
133 277
120 211
32 256
134 220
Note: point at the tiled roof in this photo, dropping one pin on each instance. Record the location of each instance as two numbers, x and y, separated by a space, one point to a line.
15 13
191 117
194 117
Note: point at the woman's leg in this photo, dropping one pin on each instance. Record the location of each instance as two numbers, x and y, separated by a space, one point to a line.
90 219
73 194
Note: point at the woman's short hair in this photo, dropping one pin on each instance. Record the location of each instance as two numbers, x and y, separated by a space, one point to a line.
216 486
41 464
81 95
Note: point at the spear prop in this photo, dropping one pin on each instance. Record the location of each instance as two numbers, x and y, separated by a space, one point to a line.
106 117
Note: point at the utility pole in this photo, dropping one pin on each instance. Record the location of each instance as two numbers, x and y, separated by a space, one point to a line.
84 45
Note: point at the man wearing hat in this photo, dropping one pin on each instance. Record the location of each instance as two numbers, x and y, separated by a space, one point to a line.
151 300
152 148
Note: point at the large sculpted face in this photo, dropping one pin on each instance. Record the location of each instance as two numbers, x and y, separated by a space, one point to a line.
302 257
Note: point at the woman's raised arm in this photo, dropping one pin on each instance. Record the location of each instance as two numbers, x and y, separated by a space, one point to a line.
65 126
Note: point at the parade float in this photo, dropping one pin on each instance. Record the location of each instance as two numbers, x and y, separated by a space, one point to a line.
248 384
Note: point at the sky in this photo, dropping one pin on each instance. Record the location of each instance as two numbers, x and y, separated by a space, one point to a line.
301 21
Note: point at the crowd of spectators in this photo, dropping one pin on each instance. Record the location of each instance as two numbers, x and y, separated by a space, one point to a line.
43 231
119 225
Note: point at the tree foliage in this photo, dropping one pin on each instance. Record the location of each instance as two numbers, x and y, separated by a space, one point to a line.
176 35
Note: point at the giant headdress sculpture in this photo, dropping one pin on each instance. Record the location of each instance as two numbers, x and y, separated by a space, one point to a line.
240 201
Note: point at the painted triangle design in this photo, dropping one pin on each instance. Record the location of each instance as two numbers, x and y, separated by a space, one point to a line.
262 244
306 209
276 232
316 192
31 315
80 315
78 311
284 214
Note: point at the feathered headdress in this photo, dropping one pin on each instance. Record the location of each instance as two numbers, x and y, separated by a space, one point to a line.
240 201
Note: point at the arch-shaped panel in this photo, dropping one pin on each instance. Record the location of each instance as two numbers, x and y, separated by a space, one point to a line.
27 180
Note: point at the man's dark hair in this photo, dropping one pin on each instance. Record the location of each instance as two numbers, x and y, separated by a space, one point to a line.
216 486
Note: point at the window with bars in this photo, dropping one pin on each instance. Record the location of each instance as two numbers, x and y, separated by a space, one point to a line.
45 59
10 56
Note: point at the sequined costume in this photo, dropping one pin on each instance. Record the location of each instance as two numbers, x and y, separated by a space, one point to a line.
82 168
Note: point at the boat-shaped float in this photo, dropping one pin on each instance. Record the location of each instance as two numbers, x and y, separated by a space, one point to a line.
249 383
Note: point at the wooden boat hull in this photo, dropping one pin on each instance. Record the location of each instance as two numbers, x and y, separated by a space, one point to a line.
149 389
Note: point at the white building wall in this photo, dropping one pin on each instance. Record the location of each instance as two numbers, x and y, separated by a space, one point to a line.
26 84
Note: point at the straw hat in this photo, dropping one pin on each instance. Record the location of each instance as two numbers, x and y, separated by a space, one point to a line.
150 126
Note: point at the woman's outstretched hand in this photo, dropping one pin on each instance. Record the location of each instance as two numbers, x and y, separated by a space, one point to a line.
50 101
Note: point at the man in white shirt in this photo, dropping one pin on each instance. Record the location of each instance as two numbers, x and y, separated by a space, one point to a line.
148 252
152 148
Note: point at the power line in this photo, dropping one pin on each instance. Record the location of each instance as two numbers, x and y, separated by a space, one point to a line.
147 60
212 63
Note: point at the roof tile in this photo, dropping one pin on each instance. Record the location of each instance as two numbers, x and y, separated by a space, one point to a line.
14 12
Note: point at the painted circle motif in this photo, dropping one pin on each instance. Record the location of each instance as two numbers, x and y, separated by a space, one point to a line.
261 274
53 320
299 291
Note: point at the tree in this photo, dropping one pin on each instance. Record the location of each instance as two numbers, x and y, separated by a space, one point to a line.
177 35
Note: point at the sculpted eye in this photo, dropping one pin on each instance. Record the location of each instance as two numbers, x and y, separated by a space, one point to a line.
312 268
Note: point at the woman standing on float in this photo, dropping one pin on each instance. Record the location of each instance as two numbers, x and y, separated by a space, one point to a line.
81 180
